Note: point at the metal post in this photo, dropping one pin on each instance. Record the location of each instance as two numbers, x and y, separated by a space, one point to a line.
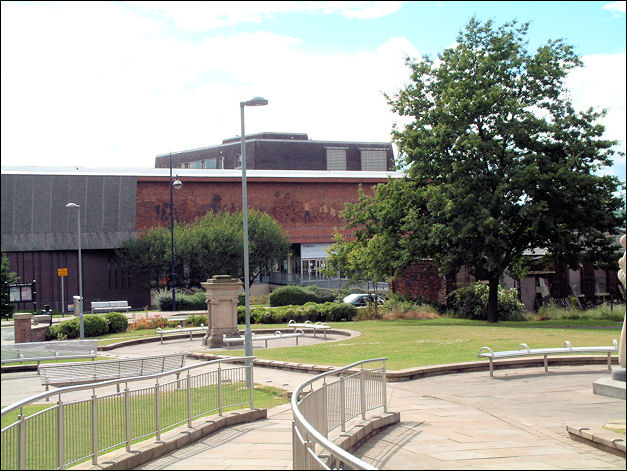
219 389
127 415
248 344
94 428
60 435
362 393
158 410
62 297
189 400
252 387
172 237
385 392
21 458
343 403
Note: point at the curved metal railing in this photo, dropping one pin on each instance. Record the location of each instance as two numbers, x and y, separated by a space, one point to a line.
71 431
318 412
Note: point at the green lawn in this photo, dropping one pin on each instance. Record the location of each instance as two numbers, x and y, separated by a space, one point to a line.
410 343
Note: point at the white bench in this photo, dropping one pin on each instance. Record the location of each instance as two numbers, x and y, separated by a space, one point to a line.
277 335
524 350
109 306
67 374
44 351
309 325
180 330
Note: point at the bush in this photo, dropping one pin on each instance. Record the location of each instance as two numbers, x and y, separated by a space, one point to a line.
326 312
471 302
185 301
94 326
117 322
152 323
195 320
397 307
297 295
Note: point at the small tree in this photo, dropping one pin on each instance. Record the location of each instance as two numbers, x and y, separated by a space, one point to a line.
8 277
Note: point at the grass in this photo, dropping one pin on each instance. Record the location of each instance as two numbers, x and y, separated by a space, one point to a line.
411 343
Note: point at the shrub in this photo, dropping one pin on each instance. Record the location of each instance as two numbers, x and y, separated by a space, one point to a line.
185 301
117 322
94 325
151 323
397 307
295 295
471 302
326 312
195 320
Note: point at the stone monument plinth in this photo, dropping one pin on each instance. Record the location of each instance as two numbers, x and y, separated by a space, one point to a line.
221 293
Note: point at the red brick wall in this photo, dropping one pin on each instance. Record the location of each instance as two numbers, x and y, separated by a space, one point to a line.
421 281
308 210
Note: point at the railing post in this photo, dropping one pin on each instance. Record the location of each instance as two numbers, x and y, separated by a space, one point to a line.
384 388
60 434
158 410
21 459
127 416
362 393
94 428
252 386
189 400
220 389
343 404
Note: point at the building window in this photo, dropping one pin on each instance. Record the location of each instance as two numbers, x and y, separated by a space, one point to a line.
374 159
197 164
336 158
209 163
238 161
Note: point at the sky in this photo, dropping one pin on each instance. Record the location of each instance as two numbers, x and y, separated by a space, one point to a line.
115 84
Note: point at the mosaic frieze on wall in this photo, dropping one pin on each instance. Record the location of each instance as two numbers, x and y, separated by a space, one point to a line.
302 208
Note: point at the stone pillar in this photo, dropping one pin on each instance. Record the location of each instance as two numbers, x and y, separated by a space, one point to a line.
619 373
22 327
222 293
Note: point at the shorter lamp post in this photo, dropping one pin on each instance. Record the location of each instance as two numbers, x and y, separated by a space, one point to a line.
80 270
176 185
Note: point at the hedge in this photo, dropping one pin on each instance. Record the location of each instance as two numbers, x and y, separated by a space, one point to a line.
299 295
314 312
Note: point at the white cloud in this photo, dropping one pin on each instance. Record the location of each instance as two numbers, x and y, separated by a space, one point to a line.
203 16
600 84
95 85
615 6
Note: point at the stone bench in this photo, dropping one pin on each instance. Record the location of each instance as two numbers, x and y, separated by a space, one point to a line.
45 351
524 350
309 325
68 374
180 330
277 335
109 306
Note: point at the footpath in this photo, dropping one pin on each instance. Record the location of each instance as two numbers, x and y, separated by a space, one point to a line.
516 420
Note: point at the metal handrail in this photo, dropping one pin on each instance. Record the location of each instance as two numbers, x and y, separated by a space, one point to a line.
111 382
329 446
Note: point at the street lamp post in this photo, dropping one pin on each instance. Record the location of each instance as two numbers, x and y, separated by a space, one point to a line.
176 185
80 269
248 344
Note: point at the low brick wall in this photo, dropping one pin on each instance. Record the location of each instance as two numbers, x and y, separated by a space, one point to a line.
24 330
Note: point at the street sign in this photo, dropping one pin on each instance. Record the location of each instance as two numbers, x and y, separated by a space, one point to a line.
62 271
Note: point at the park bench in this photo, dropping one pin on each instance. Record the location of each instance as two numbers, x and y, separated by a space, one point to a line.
68 374
524 350
109 306
44 351
180 330
277 335
309 325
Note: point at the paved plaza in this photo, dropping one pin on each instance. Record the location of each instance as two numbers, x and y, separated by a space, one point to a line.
516 420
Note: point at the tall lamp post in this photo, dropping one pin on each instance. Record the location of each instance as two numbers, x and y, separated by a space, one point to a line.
80 269
248 344
176 185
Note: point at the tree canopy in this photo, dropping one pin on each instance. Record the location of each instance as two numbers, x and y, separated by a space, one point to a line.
209 246
498 161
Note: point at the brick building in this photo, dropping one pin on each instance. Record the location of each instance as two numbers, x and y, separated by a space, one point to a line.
39 233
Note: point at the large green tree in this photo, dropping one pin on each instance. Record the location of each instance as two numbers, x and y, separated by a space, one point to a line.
7 278
498 161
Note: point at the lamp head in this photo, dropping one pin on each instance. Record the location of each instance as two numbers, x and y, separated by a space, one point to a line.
177 184
72 205
257 101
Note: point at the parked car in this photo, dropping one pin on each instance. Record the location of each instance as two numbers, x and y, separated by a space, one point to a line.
361 299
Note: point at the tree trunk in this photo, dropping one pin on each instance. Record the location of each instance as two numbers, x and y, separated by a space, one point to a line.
492 299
